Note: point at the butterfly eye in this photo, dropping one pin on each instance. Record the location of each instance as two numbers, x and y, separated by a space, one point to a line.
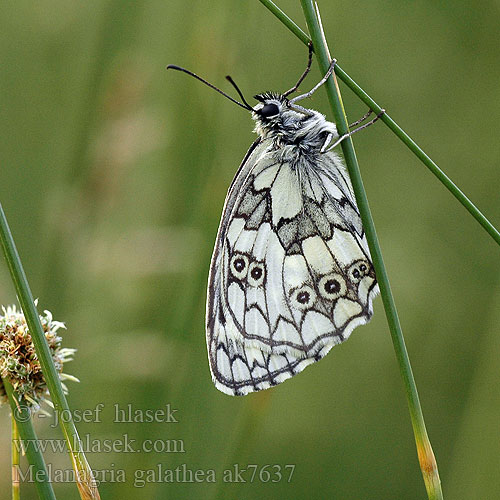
303 297
269 110
332 286
239 266
256 274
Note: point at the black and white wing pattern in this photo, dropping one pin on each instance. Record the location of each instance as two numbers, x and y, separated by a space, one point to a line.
291 274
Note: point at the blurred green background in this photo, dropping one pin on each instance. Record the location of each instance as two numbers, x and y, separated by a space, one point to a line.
113 174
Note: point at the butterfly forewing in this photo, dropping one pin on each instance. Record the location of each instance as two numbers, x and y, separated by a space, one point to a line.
291 274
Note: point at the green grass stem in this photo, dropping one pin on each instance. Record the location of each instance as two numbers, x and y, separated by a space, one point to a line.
16 486
22 426
398 131
426 457
85 482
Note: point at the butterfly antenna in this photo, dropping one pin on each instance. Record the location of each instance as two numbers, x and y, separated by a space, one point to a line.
233 83
184 70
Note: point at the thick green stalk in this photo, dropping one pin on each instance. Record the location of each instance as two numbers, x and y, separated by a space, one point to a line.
21 419
16 486
403 136
424 449
85 482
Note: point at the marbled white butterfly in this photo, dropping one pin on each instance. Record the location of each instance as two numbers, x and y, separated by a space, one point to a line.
291 274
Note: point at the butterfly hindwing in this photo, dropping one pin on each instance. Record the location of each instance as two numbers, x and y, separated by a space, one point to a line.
291 274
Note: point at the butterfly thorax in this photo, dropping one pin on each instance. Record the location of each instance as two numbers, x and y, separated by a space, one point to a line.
294 130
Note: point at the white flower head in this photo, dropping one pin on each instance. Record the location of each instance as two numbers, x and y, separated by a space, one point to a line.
18 359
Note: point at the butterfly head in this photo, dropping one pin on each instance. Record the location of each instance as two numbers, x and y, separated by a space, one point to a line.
270 107
271 113
270 103
274 114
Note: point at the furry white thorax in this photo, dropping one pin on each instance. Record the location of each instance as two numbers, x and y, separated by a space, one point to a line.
295 133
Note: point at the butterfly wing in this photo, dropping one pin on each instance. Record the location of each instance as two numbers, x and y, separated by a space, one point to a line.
291 274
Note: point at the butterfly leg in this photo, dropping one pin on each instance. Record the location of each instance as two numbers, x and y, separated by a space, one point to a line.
317 86
328 139
340 139
301 79
362 119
